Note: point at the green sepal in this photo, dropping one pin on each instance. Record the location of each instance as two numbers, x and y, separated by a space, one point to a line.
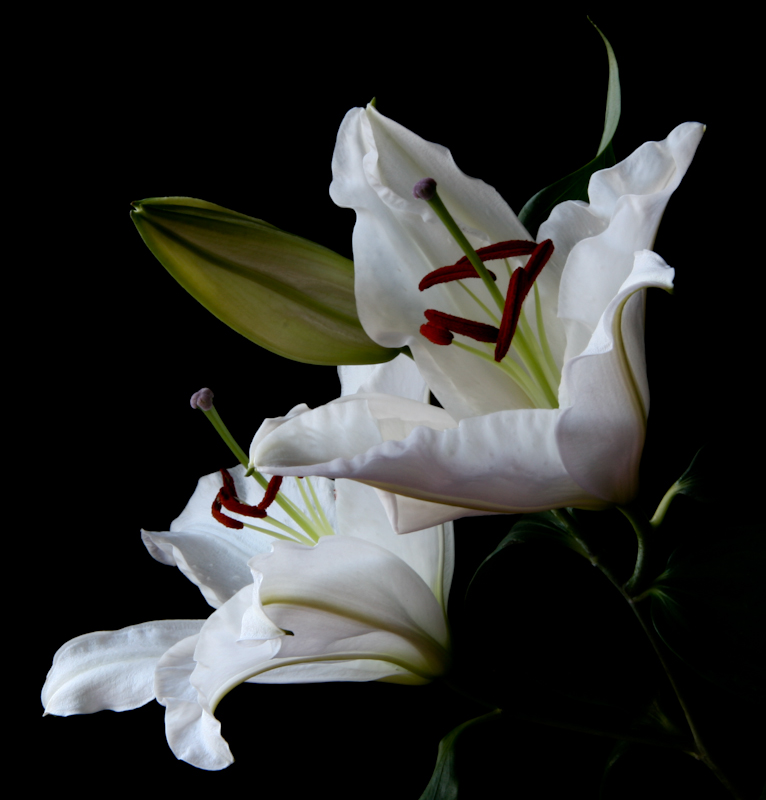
541 527
709 608
575 186
444 780
285 293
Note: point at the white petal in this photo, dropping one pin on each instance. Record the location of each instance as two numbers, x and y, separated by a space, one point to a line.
395 629
315 593
506 462
407 514
429 552
223 661
399 377
110 669
601 435
354 670
193 733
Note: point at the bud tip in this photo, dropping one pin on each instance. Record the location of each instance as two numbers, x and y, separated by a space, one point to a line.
424 189
202 399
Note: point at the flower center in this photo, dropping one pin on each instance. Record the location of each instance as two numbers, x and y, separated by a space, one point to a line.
531 364
310 523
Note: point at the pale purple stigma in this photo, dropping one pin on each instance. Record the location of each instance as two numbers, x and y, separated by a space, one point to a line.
202 399
424 189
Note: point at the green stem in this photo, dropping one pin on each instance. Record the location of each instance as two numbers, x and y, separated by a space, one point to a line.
700 750
664 505
449 223
225 434
643 529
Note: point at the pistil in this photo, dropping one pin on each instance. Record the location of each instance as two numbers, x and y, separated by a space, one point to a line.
425 189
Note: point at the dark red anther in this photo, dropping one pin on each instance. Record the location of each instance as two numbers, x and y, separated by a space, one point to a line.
227 497
228 482
223 519
464 269
474 330
538 260
436 334
510 249
455 272
271 493
511 311
518 288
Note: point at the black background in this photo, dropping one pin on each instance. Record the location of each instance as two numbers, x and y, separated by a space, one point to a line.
242 110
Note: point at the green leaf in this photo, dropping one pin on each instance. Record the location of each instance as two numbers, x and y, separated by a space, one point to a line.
575 186
542 527
444 780
283 292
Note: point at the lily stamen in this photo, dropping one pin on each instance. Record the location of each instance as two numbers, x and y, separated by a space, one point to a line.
440 328
435 334
513 300
518 289
227 498
479 331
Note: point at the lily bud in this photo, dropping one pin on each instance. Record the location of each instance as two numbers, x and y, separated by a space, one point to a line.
281 291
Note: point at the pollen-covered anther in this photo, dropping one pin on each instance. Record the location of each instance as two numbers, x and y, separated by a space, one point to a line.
479 331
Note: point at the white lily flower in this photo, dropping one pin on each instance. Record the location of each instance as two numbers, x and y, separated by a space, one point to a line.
557 420
289 611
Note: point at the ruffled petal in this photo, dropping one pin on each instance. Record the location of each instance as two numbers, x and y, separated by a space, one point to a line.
111 669
601 434
600 239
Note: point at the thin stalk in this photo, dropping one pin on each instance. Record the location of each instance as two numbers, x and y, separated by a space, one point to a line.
641 525
449 223
294 535
643 529
548 355
701 751
320 511
493 317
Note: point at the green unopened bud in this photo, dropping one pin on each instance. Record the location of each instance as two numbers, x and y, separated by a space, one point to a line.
281 291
